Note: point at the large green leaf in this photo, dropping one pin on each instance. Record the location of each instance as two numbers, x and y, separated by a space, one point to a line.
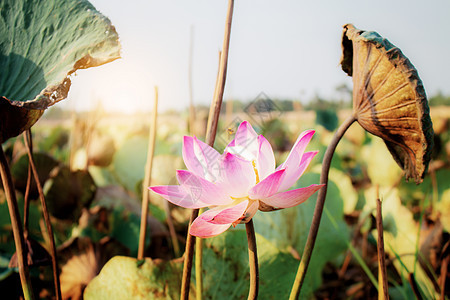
226 271
130 159
290 227
126 278
41 44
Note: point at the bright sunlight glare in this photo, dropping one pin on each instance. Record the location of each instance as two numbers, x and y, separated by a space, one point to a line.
288 49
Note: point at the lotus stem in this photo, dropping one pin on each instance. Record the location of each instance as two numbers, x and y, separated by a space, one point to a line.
28 139
382 275
21 251
148 178
213 121
221 79
188 256
309 246
252 260
199 268
199 265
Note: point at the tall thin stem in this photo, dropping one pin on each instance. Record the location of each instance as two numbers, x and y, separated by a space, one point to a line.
8 187
199 265
221 79
213 121
48 224
382 275
309 246
148 177
252 260
188 258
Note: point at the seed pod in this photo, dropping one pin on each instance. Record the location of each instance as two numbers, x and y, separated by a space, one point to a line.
389 100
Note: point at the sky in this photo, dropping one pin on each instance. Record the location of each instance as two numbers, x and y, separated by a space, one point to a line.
288 49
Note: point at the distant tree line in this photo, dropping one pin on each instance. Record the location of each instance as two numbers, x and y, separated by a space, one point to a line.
439 99
317 103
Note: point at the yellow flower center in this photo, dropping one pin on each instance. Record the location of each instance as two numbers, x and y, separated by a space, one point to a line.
256 171
251 202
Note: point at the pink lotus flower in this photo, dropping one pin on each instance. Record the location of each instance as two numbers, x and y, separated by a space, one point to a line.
237 183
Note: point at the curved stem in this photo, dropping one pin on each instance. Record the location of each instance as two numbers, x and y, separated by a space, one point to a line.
252 260
199 268
48 224
199 265
213 121
309 246
188 256
8 187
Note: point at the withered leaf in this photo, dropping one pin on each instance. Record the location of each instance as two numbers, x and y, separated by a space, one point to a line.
36 255
389 100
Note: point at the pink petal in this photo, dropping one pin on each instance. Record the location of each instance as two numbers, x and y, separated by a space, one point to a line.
245 142
293 197
201 189
245 134
216 220
268 186
200 158
265 162
205 229
250 211
227 215
178 196
295 156
293 174
237 175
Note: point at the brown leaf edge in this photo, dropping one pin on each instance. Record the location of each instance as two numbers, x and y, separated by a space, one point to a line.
413 169
18 116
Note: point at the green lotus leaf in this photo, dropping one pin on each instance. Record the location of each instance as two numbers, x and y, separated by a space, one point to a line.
127 278
225 261
289 228
130 159
42 43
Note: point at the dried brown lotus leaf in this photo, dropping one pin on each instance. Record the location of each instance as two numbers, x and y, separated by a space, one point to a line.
36 255
389 100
